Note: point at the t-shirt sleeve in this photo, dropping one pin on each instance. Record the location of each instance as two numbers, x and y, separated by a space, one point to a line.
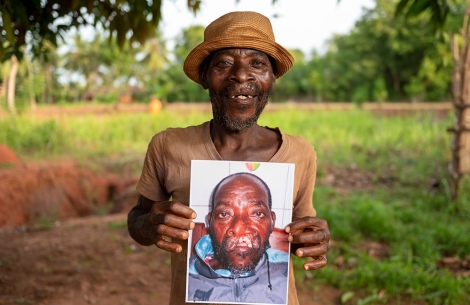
152 182
303 205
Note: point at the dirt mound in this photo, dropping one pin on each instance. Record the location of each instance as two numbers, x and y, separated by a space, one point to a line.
58 191
7 155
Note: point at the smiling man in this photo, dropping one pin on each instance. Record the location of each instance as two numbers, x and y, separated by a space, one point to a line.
238 62
235 262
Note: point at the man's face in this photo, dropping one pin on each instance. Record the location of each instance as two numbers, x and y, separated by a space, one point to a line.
239 82
241 223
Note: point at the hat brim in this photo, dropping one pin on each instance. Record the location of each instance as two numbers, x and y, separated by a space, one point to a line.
284 60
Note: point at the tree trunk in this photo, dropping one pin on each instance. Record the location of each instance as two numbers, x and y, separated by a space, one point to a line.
32 97
460 142
48 78
5 90
12 84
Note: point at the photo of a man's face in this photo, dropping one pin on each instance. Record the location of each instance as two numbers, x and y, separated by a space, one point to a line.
238 250
241 222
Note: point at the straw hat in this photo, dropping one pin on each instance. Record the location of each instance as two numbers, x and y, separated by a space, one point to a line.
248 30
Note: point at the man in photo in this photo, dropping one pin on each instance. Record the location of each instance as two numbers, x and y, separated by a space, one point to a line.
235 262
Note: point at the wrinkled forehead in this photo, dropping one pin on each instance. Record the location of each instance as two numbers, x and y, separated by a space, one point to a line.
225 51
241 185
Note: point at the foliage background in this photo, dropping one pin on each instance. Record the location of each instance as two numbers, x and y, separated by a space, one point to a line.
383 58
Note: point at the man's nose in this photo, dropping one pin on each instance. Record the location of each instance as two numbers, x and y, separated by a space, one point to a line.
241 73
238 227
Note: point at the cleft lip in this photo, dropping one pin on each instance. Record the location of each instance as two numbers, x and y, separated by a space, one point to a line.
245 241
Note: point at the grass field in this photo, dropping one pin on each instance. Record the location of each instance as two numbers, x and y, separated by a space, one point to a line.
410 217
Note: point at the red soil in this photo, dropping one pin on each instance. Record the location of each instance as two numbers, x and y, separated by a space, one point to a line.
57 191
7 155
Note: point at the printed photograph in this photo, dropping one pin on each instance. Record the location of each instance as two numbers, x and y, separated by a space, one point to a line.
239 253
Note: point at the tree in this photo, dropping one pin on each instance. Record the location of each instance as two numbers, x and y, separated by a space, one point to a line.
48 20
32 24
295 83
389 48
11 84
178 86
87 58
438 12
188 40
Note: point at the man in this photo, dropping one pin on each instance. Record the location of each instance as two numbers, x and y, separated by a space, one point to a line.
238 63
234 262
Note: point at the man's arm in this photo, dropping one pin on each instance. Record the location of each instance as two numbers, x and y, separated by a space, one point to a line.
155 222
309 237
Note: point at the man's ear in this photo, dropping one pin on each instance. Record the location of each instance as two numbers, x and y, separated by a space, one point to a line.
202 77
273 67
273 217
208 220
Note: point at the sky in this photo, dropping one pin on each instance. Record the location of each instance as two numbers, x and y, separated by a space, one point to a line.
300 24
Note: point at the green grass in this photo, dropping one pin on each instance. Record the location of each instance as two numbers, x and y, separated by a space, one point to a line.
358 137
415 220
87 136
420 230
339 136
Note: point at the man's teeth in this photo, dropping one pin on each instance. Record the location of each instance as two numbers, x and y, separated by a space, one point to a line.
242 96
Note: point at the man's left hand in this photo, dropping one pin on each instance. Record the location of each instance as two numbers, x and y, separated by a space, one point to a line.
309 237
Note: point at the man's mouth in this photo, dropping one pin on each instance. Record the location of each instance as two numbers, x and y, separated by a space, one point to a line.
244 241
242 96
240 254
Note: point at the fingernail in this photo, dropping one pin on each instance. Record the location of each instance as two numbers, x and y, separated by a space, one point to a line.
193 215
290 238
299 253
306 267
287 229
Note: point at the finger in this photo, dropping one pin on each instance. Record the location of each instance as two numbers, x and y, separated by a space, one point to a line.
312 250
169 246
307 222
172 221
173 207
311 237
181 209
172 232
316 263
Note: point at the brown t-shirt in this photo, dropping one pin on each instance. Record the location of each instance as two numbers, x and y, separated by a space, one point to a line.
166 173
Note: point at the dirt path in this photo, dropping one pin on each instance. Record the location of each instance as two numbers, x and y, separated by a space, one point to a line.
388 109
92 260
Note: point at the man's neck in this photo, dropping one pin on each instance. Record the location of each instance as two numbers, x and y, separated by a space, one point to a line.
252 144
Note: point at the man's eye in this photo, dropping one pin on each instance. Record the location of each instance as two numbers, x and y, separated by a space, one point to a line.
223 63
259 214
258 64
222 215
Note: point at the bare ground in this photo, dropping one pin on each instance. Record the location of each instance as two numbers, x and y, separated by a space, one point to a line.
386 109
93 260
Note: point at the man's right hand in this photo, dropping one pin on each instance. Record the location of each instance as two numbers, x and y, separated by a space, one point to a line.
170 219
156 222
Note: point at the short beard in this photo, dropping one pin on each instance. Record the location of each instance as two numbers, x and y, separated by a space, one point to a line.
219 111
221 255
